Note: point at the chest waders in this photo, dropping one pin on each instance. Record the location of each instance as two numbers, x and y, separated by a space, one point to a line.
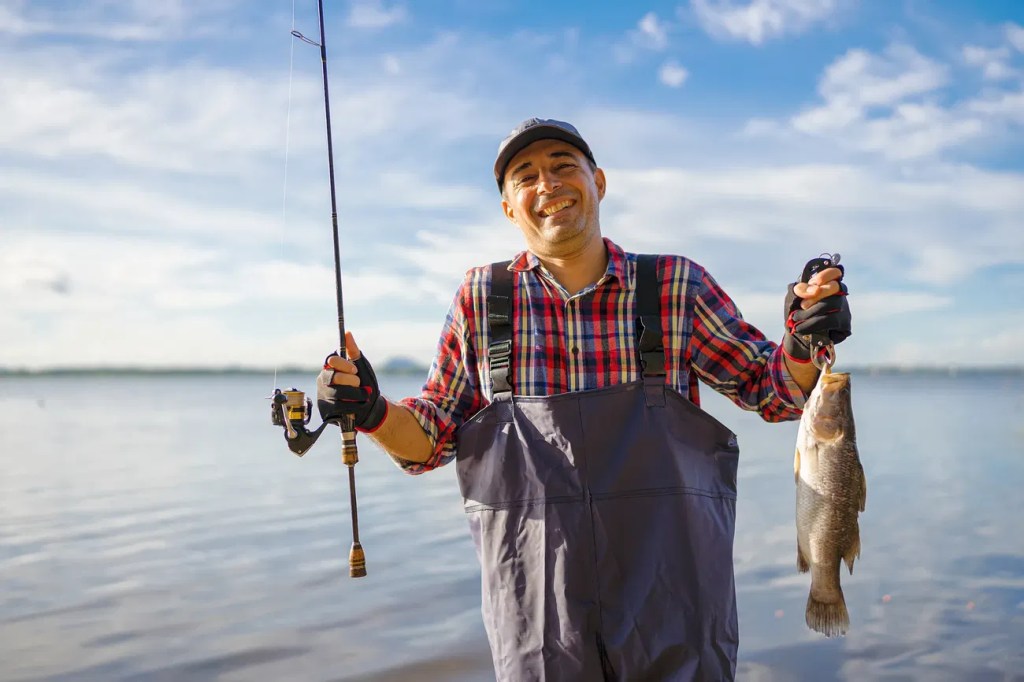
603 520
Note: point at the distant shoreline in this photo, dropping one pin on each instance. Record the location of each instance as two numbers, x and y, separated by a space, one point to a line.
405 369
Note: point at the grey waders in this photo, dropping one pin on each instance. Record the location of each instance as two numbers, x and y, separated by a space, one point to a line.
603 520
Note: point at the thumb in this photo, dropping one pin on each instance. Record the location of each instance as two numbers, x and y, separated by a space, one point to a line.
351 349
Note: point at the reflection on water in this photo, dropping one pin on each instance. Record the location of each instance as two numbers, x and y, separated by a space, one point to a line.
156 528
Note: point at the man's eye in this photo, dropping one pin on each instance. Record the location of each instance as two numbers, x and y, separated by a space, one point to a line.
525 179
563 166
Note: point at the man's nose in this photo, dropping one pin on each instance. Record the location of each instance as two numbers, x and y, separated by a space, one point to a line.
547 182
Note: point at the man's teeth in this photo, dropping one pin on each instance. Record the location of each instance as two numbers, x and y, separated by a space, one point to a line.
555 208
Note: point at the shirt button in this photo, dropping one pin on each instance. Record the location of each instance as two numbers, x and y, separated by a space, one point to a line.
575 350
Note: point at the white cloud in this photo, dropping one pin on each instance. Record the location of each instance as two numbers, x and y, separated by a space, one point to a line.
53 203
672 74
864 79
653 31
1015 35
913 223
760 20
373 14
650 34
125 21
918 130
871 307
992 62
392 65
1001 105
189 118
142 199
887 104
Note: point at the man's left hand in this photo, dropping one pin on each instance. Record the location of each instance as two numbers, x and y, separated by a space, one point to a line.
818 307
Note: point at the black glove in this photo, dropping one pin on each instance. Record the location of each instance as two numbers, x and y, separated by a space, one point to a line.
363 402
827 321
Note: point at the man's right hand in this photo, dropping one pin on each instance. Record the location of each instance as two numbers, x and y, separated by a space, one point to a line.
349 387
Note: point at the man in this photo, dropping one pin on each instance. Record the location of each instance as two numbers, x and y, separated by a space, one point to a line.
600 497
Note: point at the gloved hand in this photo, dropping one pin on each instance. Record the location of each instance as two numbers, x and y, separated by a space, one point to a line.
826 320
363 402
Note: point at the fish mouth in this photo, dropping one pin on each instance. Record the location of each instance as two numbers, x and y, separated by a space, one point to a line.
835 381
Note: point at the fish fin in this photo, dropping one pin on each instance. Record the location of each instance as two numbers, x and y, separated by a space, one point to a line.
829 618
801 562
853 550
796 466
863 487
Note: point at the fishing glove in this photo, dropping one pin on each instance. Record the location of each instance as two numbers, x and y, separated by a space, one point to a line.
826 321
363 402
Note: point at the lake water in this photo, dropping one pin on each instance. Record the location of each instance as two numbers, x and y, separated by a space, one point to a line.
157 528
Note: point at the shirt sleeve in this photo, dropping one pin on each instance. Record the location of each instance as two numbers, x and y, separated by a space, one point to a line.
734 358
451 394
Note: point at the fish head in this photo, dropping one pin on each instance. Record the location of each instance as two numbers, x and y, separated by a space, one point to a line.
831 411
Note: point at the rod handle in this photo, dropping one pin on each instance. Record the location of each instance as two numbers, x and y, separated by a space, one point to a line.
356 561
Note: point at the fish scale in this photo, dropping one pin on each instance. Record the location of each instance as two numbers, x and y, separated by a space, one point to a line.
830 494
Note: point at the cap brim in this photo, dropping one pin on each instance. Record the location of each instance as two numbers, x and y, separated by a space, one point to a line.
528 137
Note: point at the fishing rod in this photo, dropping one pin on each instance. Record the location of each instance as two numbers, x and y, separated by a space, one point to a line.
291 409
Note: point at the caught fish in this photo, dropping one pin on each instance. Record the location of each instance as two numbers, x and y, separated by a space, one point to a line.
830 494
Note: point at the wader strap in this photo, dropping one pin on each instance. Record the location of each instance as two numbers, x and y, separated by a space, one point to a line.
499 325
648 321
648 329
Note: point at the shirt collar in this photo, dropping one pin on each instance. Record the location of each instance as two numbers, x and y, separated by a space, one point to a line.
525 261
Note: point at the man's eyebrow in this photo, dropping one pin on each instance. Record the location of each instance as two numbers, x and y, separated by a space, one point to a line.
522 166
554 155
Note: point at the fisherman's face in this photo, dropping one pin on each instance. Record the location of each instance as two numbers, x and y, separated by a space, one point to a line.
553 195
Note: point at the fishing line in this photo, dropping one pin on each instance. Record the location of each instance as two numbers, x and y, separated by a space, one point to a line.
287 152
291 409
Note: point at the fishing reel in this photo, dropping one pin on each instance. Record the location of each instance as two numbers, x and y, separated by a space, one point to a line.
291 409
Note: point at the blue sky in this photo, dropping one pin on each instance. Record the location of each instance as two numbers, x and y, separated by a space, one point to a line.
163 193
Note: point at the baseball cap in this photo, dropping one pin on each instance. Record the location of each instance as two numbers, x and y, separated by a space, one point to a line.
528 132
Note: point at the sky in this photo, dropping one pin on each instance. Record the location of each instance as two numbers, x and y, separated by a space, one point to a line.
163 168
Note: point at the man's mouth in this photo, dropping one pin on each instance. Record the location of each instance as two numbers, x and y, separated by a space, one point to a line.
552 209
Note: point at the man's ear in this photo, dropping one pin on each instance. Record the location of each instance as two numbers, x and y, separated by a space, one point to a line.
506 208
601 182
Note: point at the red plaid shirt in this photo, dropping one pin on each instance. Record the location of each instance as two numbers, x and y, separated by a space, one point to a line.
564 343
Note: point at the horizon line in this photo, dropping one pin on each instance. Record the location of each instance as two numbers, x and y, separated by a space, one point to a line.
420 369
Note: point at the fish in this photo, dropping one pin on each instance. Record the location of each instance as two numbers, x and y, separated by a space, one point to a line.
831 491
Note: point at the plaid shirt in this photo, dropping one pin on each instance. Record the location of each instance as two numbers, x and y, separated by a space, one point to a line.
564 343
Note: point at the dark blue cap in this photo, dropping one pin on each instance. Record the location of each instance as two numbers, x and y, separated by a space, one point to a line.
528 132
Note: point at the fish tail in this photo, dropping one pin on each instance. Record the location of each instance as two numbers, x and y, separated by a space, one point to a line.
830 618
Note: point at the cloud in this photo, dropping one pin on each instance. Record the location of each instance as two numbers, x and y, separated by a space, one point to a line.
859 80
143 218
653 31
650 35
1007 106
991 61
889 104
672 74
871 308
1015 35
186 118
911 225
127 21
372 14
760 20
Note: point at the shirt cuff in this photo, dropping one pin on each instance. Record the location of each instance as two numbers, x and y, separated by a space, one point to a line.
443 447
786 388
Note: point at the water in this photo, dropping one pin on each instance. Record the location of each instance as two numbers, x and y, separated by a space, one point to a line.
156 528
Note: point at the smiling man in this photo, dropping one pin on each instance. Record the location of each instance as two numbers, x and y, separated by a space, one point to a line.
601 498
